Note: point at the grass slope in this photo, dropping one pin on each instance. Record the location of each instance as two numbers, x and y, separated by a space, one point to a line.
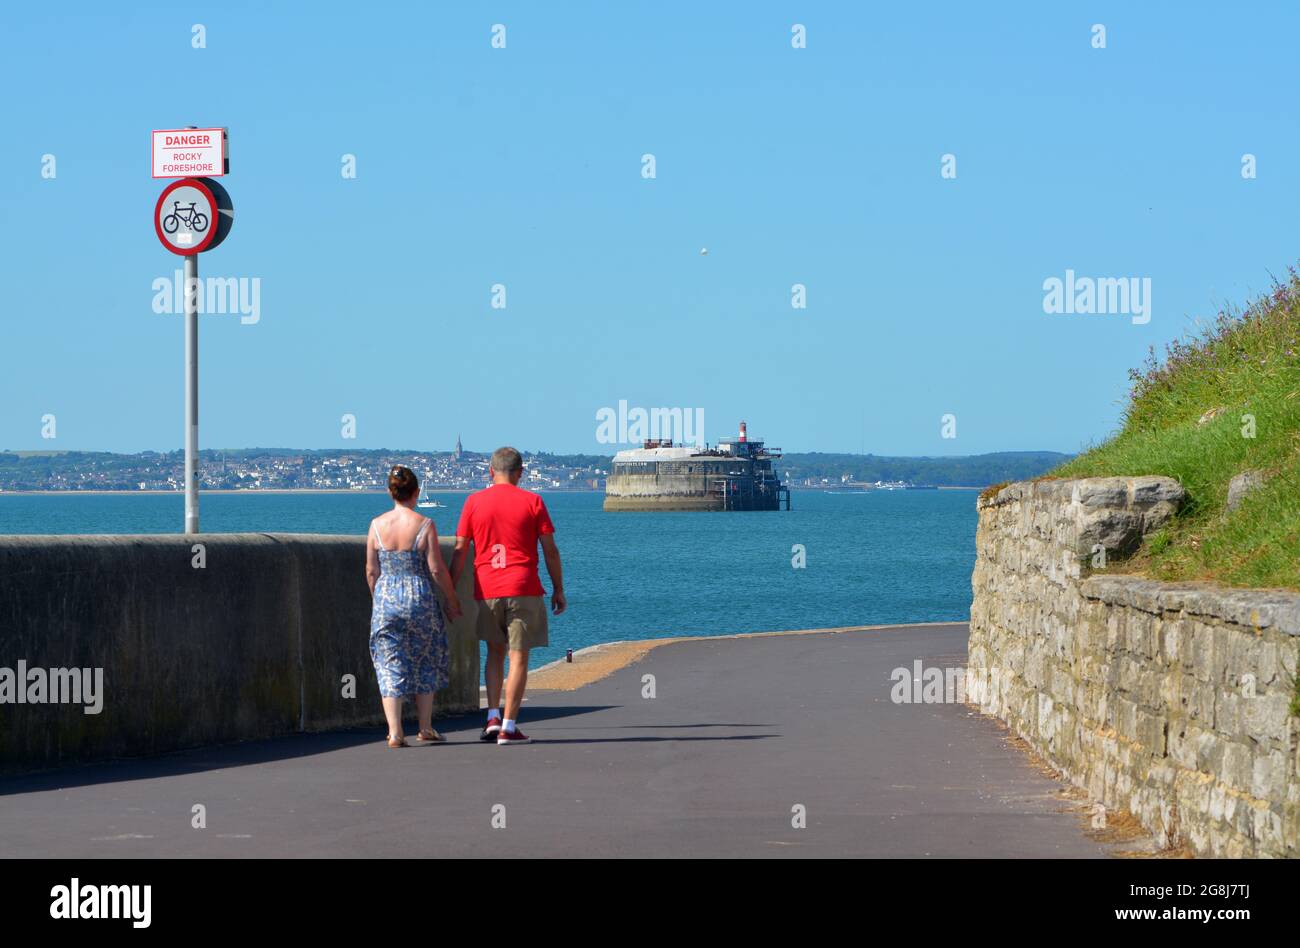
1247 366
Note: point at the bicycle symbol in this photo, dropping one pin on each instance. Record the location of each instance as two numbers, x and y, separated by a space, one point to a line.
194 219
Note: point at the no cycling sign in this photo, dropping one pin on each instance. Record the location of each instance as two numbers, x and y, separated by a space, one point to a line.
193 215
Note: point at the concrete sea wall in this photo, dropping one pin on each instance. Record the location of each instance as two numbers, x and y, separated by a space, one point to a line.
254 643
659 492
682 492
1171 701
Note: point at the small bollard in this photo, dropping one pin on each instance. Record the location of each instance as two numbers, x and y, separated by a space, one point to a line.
568 655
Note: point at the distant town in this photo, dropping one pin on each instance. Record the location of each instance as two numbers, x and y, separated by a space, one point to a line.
458 469
280 469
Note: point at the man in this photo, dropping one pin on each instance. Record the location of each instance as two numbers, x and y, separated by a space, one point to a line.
506 523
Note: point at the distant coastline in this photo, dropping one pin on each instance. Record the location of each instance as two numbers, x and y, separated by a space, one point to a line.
286 470
181 493
83 492
267 490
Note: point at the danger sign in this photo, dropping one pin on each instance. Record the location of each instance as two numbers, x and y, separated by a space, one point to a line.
190 153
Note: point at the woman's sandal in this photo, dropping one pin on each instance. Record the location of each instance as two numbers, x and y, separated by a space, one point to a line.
397 741
430 737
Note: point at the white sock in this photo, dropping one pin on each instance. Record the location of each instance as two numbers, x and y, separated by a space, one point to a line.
493 713
508 725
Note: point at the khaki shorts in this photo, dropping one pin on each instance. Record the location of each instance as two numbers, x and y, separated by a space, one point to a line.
518 622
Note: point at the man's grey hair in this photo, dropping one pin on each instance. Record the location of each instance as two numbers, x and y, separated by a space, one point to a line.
507 460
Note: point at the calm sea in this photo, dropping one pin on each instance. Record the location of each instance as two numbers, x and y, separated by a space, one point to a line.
878 557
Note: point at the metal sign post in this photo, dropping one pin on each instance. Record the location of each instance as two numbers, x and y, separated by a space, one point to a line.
192 215
192 393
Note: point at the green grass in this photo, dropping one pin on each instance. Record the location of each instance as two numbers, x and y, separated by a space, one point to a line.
1248 364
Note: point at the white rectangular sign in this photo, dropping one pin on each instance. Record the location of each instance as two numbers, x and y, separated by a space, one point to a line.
189 152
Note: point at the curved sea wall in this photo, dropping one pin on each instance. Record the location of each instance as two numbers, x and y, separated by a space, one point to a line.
1171 701
652 490
193 640
683 492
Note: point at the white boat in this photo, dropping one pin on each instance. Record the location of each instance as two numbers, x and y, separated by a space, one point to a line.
425 500
892 485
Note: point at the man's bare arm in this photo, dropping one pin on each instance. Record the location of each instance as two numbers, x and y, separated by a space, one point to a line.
458 559
552 555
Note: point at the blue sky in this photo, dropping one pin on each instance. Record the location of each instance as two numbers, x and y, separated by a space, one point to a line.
522 166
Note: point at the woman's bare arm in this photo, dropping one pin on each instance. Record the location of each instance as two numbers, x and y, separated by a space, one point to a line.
372 559
438 570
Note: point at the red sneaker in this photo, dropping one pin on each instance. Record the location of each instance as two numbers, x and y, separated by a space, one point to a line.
491 731
513 737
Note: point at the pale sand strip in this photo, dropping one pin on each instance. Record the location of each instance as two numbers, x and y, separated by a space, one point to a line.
599 661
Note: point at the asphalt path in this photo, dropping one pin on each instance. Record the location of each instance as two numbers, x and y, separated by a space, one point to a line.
741 738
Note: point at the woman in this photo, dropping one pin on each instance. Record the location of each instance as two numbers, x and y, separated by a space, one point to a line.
408 641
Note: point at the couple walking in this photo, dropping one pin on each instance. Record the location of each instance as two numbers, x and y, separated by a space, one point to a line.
408 637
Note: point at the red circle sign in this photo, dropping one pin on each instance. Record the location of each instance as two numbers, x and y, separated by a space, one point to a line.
185 217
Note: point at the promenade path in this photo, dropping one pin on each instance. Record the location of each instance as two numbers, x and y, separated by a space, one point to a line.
739 732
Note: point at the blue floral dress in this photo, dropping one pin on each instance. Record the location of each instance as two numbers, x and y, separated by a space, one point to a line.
408 638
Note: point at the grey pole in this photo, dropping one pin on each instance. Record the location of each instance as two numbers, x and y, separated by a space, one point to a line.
192 393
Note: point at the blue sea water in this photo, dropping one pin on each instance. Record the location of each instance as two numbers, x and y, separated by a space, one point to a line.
872 558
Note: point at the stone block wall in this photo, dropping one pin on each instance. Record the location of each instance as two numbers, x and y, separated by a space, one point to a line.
1171 701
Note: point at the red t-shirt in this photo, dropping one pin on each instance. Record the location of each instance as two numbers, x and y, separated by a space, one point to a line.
504 522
